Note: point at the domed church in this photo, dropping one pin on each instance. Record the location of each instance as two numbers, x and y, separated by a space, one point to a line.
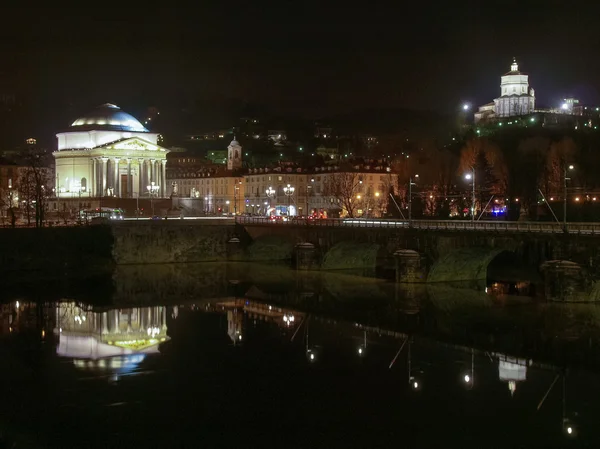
108 152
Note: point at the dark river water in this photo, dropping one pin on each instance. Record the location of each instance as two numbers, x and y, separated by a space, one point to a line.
226 356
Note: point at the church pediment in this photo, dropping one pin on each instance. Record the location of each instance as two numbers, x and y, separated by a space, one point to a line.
134 144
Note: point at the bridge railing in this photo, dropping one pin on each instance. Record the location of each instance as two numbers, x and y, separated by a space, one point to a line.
447 225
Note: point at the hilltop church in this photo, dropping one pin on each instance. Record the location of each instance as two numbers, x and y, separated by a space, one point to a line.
516 97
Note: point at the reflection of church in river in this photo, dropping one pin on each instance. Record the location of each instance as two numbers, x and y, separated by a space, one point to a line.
237 309
94 335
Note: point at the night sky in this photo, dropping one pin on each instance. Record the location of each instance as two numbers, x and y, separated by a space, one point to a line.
293 58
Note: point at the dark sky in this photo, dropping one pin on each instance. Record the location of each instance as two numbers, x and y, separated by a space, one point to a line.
304 58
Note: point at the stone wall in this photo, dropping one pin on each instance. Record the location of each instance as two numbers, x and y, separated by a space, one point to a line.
170 241
36 255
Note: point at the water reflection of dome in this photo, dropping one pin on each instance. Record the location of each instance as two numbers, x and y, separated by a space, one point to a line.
110 339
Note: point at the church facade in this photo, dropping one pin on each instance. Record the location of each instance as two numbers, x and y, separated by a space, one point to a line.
109 153
516 97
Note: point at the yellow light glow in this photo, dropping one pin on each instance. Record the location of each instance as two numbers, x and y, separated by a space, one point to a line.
577 198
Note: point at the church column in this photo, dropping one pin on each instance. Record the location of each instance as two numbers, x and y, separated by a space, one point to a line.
117 177
140 177
153 171
92 185
104 175
129 180
148 174
164 177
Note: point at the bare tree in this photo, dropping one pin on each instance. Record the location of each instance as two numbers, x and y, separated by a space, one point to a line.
35 187
27 194
560 154
9 200
345 187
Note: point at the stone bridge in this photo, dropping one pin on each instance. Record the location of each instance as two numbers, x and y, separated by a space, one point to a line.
566 261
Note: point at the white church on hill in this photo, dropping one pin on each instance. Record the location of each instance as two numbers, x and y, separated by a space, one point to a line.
108 152
516 97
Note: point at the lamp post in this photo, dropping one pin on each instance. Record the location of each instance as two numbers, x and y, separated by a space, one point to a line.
565 179
152 190
289 191
308 187
236 190
410 184
471 177
270 194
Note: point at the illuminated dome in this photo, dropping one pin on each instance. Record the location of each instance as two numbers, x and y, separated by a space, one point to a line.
108 116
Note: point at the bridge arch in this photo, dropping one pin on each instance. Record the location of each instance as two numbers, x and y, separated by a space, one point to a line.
270 248
349 255
465 264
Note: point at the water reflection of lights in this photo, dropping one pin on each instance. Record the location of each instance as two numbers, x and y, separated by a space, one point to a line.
153 331
123 364
569 428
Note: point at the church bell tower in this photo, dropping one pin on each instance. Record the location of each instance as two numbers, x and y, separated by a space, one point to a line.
234 155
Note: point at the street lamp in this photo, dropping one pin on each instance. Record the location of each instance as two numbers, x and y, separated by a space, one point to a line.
565 179
466 106
308 187
228 208
410 184
289 191
152 190
236 189
471 177
270 194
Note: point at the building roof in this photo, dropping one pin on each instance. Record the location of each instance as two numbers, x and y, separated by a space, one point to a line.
514 95
107 117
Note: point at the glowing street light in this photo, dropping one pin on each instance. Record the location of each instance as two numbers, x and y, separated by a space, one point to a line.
410 184
289 191
570 167
466 106
152 190
471 177
270 194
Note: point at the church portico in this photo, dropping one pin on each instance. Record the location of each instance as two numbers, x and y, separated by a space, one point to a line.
122 168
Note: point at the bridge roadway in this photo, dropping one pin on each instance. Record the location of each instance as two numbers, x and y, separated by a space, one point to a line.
446 225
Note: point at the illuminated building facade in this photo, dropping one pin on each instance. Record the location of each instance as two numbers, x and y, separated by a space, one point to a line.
108 152
516 97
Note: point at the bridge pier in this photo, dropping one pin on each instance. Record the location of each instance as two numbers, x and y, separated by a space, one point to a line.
305 256
234 249
564 281
410 267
